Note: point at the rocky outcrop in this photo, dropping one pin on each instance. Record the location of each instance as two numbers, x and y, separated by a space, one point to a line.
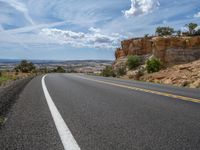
137 46
119 53
176 50
170 50
187 75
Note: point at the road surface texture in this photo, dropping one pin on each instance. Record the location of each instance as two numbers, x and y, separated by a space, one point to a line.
102 114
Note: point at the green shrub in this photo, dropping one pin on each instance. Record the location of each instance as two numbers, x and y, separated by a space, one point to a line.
25 67
108 72
0 74
59 69
121 71
133 62
153 65
163 31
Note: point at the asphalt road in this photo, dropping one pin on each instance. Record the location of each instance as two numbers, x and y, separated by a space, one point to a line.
103 114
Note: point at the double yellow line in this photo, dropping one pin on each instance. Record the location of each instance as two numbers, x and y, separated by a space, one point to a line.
145 90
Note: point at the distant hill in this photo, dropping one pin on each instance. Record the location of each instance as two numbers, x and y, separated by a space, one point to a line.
16 61
71 65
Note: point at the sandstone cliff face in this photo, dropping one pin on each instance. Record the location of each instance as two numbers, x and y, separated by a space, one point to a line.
176 50
170 50
139 46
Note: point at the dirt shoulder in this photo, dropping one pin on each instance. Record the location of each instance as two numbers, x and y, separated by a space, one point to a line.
8 95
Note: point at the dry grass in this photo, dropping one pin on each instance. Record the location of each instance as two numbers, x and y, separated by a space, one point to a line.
11 76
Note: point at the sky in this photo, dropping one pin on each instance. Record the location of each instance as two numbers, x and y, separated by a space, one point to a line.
84 29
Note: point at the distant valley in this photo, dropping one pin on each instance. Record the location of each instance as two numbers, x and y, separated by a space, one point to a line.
85 66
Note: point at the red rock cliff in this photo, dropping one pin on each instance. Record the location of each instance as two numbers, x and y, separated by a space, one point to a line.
170 50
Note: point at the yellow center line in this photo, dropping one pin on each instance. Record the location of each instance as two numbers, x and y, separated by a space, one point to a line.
145 90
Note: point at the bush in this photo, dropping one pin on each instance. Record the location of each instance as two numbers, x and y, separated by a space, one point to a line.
59 69
153 65
164 31
121 71
25 67
0 74
108 72
133 62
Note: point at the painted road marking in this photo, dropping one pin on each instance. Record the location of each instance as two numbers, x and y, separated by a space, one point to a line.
145 90
66 136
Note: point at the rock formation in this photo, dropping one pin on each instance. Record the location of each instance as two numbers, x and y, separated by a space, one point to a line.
170 50
181 75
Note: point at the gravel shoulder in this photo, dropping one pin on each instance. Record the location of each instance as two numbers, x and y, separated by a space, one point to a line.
9 94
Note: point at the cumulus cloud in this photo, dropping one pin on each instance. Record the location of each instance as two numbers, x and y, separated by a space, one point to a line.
92 39
139 7
197 15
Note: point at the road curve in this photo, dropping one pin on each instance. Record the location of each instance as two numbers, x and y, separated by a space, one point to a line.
104 114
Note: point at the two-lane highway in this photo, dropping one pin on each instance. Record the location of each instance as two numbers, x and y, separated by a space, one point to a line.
96 113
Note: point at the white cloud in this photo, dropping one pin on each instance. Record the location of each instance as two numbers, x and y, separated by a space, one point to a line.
92 29
93 39
34 28
139 7
197 15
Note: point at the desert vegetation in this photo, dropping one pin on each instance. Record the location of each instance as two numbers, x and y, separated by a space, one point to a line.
25 69
108 72
163 31
133 62
153 65
192 30
147 57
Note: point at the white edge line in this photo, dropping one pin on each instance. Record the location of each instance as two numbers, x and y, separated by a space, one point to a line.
66 136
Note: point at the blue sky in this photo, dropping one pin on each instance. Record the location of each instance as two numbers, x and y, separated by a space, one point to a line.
84 29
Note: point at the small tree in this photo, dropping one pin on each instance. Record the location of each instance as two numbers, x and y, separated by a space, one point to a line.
153 65
191 27
121 71
108 72
25 66
0 74
164 31
133 62
59 69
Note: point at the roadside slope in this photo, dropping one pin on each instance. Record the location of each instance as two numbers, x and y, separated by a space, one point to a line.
187 75
9 94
